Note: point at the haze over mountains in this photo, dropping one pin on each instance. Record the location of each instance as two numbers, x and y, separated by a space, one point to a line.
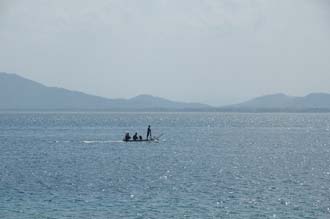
18 93
218 52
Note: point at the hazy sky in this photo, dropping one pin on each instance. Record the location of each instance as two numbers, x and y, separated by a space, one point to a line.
211 51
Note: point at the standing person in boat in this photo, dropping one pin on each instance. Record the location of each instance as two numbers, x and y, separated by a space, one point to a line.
135 137
149 133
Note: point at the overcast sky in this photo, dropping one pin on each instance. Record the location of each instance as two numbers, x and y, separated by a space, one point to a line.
211 51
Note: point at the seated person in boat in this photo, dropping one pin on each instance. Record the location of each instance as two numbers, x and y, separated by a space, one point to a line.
135 137
140 138
127 137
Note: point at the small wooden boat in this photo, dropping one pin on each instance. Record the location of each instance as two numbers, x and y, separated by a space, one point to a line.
143 140
154 139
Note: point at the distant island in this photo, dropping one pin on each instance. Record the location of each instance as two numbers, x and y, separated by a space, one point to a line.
314 102
18 93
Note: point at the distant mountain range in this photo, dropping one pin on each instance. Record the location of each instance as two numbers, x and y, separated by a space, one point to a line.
313 102
18 93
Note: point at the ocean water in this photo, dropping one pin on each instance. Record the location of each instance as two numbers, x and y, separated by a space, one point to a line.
206 165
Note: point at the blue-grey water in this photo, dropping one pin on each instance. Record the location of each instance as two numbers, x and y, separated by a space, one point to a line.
206 165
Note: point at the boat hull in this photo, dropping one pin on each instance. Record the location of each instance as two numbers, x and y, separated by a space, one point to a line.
144 140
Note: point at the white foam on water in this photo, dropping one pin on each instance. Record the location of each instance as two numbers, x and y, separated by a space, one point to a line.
66 141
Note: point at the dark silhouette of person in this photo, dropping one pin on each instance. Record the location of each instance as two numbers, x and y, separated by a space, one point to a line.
135 137
127 137
149 133
140 138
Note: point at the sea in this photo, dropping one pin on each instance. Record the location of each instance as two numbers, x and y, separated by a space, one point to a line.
56 165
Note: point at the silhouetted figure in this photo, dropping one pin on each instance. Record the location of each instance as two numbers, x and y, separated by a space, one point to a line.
140 138
149 133
135 137
127 137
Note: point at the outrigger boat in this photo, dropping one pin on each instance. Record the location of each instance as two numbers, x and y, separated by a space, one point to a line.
154 139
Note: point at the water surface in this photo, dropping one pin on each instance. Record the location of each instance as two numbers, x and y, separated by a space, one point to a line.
207 165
